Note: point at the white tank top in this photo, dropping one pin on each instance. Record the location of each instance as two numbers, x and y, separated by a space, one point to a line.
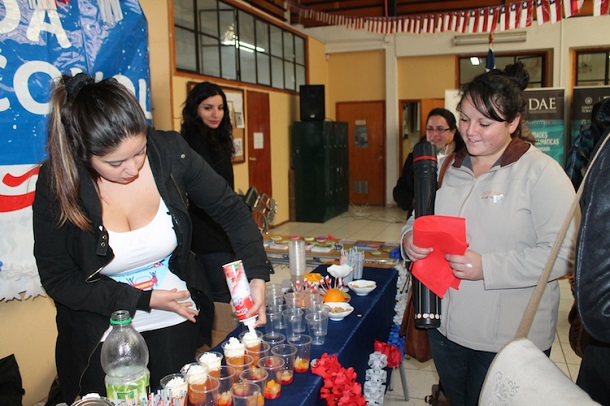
141 259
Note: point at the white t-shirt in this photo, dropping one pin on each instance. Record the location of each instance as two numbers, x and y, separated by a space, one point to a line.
141 259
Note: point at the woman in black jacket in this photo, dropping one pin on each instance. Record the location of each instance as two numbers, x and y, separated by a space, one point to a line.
206 126
112 232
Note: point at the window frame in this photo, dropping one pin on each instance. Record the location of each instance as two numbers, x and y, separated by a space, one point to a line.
592 51
290 63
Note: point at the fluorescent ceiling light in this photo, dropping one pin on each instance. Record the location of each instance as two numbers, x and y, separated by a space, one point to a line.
475 61
499 37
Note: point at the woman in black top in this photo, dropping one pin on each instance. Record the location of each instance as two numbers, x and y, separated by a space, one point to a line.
206 126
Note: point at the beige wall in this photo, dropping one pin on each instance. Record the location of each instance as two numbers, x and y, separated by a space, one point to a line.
356 76
29 332
425 77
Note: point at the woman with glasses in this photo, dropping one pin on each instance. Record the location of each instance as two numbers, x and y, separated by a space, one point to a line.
441 130
514 199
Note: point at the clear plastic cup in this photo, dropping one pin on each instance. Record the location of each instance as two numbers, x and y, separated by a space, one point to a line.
288 353
246 394
274 339
239 364
275 368
293 317
255 375
302 357
226 378
317 322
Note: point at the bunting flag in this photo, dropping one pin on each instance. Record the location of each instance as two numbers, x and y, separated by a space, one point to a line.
506 17
572 7
600 7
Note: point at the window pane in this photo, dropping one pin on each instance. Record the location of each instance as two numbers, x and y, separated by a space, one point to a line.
228 55
289 81
288 46
299 50
533 65
468 70
227 26
277 73
276 41
247 65
263 74
210 57
262 35
502 61
300 76
184 14
208 22
246 30
591 67
185 45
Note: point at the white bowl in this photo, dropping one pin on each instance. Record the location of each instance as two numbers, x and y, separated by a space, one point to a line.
336 315
362 287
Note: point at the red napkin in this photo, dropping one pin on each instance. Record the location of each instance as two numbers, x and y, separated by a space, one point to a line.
446 235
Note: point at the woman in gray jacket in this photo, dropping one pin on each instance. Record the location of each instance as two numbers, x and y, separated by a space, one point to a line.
514 199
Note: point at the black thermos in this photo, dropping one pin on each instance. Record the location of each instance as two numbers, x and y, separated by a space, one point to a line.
427 304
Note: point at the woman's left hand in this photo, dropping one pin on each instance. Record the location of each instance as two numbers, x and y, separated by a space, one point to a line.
468 266
257 291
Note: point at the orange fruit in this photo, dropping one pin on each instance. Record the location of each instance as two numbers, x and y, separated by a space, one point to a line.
334 295
313 277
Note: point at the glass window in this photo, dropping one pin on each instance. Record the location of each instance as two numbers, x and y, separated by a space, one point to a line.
216 39
185 57
592 68
473 65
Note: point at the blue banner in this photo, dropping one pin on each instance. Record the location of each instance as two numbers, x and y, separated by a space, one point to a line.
41 40
583 100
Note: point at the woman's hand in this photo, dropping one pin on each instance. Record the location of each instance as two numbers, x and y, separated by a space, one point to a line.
413 252
174 301
257 291
468 266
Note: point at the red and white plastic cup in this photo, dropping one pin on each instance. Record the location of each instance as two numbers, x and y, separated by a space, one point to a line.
240 291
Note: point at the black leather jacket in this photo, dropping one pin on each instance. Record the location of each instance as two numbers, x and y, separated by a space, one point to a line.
69 259
592 277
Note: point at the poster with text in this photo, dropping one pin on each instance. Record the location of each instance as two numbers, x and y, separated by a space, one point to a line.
544 115
583 100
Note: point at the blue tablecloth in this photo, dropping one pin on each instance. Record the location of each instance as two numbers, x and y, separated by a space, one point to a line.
351 339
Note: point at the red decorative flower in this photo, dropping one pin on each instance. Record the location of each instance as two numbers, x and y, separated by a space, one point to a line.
391 352
340 386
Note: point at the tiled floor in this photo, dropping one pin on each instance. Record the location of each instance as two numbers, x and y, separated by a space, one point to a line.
384 224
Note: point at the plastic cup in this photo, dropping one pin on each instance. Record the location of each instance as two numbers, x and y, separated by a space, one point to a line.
297 260
234 351
225 380
294 299
278 322
318 326
262 350
204 395
274 339
288 353
212 360
358 265
303 346
252 342
177 385
273 318
255 375
245 394
275 368
196 376
293 317
239 364
313 301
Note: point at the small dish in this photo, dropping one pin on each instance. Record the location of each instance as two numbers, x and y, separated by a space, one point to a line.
362 287
337 311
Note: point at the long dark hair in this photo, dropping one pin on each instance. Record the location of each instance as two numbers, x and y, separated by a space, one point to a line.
86 119
193 126
498 95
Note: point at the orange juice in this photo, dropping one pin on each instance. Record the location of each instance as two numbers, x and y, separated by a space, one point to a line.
197 393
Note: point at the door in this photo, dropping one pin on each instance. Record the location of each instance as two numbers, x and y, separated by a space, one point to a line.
366 146
259 141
